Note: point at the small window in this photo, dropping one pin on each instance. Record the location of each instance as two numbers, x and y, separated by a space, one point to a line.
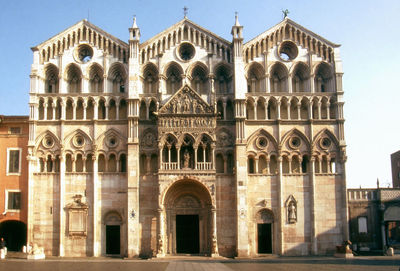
13 200
15 130
362 224
13 161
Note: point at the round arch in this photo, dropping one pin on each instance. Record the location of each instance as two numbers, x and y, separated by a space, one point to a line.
188 225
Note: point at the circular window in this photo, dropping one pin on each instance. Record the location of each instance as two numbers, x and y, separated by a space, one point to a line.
112 142
295 142
186 51
84 53
325 143
79 141
48 142
288 51
262 142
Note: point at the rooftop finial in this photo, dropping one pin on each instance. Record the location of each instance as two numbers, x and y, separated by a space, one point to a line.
134 22
185 12
377 182
285 13
236 19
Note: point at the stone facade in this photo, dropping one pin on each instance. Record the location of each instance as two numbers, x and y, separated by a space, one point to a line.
187 143
395 161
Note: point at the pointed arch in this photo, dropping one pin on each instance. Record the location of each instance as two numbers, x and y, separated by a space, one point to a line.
290 134
51 79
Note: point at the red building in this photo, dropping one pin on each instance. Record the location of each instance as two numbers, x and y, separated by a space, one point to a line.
13 180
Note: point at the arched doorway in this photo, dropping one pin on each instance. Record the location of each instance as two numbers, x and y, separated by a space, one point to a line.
14 233
264 224
188 224
112 230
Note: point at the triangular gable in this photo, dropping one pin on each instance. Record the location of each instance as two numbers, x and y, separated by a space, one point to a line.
283 24
180 26
186 101
80 25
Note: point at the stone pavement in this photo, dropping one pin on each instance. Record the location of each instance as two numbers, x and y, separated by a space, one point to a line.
380 263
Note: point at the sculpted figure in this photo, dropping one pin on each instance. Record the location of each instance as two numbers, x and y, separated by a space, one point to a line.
292 213
186 159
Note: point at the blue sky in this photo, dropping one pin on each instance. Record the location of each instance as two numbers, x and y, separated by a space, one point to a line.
367 30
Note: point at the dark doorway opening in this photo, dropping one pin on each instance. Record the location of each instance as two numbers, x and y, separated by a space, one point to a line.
112 239
187 234
264 238
14 233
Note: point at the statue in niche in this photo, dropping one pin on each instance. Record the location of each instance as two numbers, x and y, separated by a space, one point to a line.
173 105
292 213
186 159
194 106
178 106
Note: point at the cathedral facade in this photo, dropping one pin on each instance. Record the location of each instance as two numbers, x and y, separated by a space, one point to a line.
187 143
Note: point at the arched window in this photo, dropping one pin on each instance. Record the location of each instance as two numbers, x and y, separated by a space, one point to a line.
79 163
112 163
69 110
174 79
117 77
101 163
123 113
68 163
199 80
74 79
251 167
79 109
51 81
143 110
90 110
285 164
220 110
278 78
300 82
89 163
262 165
223 79
323 80
284 109
250 109
102 110
273 165
255 76
96 79
150 81
41 109
112 110
260 109
122 163
272 109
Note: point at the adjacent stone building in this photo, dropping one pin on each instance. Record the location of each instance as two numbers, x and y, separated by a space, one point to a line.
13 180
374 219
187 143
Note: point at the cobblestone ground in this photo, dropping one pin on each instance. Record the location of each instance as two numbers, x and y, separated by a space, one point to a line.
284 263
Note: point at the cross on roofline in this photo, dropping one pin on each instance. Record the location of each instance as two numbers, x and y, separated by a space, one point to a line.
185 11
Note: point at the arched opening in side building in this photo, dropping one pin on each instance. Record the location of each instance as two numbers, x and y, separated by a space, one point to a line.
14 233
188 228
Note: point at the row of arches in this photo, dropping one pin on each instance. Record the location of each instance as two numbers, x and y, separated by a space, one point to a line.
294 164
299 79
67 108
293 108
198 76
287 32
94 81
187 153
185 33
84 34
80 163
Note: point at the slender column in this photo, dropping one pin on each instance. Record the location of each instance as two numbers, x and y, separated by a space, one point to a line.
256 165
54 110
278 110
224 105
117 112
319 110
225 164
96 230
61 204
83 164
290 165
213 156
309 111
299 111
314 241
161 233
280 206
84 110
179 156
63 110
195 158
53 161
214 248
74 110
45 105
107 110
73 163
328 110
147 111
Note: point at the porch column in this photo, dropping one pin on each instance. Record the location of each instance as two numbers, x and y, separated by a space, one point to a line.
161 231
214 244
